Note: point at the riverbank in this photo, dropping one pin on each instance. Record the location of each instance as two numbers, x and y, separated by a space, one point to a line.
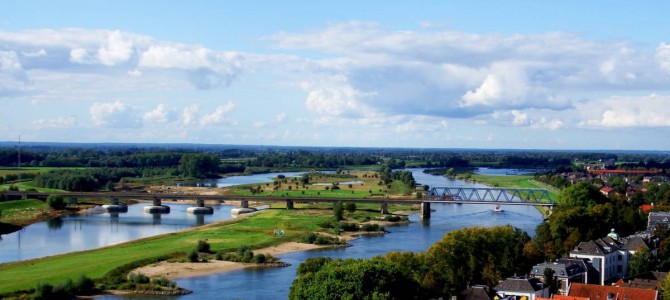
177 270
226 236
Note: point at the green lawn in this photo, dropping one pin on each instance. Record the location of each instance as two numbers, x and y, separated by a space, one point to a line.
22 211
256 231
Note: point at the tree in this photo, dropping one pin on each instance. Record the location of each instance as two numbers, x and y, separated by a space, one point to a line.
350 207
56 202
355 279
551 280
199 165
338 210
642 261
582 194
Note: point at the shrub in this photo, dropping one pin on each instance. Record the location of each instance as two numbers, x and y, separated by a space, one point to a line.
350 207
310 238
247 256
218 256
372 227
324 240
138 278
348 227
391 218
84 285
241 249
162 281
192 256
56 202
258 258
43 291
327 224
203 246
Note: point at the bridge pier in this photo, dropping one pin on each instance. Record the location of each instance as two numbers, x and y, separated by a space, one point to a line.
244 204
115 206
425 210
384 208
157 207
200 208
289 204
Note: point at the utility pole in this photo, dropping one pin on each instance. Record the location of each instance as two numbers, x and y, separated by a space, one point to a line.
19 163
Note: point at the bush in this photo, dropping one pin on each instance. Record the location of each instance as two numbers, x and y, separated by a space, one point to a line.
348 227
137 278
327 224
310 238
372 227
192 256
162 281
350 207
258 258
84 285
43 291
391 218
56 202
203 246
324 240
247 256
241 249
218 256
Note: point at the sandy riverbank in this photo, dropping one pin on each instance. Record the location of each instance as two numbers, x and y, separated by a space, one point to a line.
187 269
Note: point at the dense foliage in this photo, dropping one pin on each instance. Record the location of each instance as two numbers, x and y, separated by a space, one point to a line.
467 255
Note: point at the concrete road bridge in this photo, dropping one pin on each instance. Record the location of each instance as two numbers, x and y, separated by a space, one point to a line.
456 195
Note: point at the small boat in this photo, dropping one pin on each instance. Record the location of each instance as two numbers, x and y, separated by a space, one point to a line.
498 209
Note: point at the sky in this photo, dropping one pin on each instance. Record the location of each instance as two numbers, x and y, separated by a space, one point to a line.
426 74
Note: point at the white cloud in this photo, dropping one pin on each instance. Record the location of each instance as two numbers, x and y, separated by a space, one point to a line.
189 114
161 114
662 56
116 49
60 122
81 56
13 78
114 115
218 116
38 53
617 112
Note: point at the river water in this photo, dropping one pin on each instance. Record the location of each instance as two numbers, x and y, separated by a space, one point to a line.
418 236
80 232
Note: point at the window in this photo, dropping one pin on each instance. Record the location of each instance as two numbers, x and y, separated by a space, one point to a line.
620 257
619 269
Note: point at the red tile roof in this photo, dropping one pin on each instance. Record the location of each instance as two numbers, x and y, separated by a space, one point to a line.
646 207
607 189
601 292
562 297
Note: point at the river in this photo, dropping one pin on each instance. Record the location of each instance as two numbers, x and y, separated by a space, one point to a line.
417 236
83 232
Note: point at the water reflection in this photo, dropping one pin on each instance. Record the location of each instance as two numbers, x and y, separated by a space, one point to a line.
82 232
55 223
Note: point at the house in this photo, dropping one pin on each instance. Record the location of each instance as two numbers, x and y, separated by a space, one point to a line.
658 219
519 287
607 191
477 292
647 280
563 297
605 292
607 255
565 272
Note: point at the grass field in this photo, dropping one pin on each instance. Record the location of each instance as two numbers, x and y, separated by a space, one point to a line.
256 231
369 187
23 211
515 181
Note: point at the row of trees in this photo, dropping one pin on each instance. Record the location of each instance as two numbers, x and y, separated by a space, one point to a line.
463 256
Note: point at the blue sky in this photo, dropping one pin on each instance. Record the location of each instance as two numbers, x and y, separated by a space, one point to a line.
446 74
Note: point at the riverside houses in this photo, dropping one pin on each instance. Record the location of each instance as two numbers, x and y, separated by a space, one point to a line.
565 272
609 256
